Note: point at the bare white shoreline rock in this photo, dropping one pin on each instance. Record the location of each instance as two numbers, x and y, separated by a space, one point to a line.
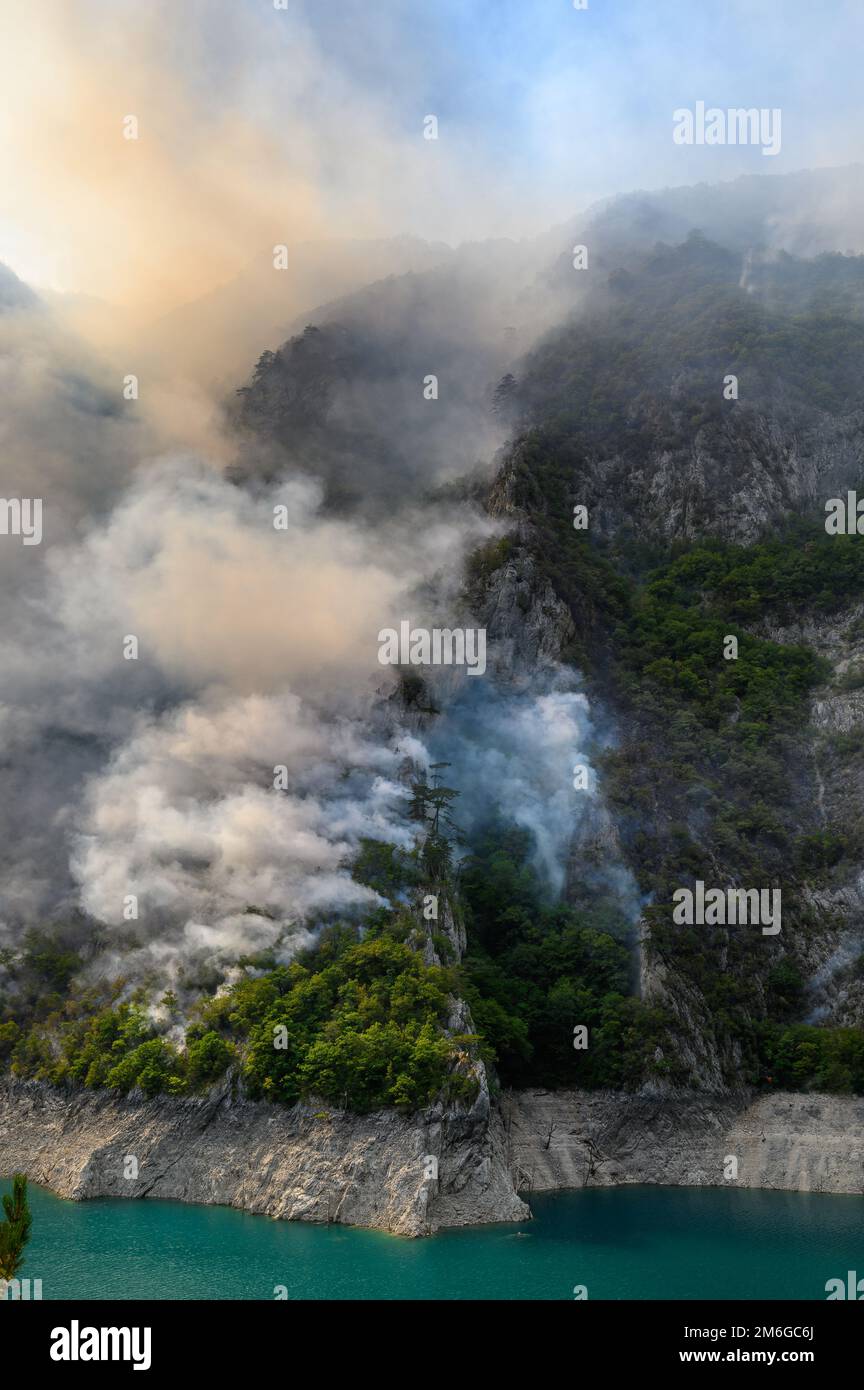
307 1163
323 1165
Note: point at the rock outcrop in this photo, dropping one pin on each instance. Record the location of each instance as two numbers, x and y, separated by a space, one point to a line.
302 1164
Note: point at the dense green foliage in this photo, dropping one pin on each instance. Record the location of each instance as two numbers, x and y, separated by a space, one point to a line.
803 567
820 1059
357 1022
535 970
682 316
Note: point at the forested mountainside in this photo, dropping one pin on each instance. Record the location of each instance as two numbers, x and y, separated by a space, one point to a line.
700 402
707 519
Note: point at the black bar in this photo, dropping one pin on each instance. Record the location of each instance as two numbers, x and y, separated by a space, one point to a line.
191 1338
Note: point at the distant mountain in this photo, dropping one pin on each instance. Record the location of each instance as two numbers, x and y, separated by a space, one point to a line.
388 392
701 392
648 332
805 213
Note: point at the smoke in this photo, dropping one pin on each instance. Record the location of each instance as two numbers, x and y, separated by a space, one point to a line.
154 779
220 862
62 435
512 754
158 250
160 218
522 753
223 778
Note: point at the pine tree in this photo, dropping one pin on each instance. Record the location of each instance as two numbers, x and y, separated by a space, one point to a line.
504 395
430 803
15 1230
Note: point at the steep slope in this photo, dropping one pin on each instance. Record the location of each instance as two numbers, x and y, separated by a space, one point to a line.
606 642
622 412
698 392
388 392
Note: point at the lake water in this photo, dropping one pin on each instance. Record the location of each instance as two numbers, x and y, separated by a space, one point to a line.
622 1243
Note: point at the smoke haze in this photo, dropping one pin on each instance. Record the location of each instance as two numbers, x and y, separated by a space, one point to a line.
154 257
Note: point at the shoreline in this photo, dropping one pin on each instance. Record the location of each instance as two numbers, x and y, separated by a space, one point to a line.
313 1163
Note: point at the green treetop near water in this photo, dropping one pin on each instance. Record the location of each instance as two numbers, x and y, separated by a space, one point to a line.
15 1229
358 1020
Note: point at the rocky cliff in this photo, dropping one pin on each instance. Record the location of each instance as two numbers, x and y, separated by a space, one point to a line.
562 1139
832 750
325 1166
302 1164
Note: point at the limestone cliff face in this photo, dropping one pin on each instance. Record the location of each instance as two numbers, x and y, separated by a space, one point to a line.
660 983
527 625
303 1164
566 1139
448 925
732 481
326 1166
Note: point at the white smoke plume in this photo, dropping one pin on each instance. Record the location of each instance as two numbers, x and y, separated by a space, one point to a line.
513 752
153 778
186 817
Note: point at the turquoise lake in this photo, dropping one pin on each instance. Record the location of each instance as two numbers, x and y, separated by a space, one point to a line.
624 1243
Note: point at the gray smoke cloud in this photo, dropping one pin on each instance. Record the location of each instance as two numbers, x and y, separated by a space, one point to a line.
222 863
256 617
513 752
524 753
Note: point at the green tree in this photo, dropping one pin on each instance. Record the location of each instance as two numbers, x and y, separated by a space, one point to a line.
207 1059
15 1230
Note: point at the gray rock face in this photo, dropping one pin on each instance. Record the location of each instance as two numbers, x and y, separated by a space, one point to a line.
302 1164
833 745
733 482
660 983
527 624
804 1143
327 1166
448 925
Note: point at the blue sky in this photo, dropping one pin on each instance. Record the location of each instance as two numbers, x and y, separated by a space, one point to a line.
543 109
570 104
